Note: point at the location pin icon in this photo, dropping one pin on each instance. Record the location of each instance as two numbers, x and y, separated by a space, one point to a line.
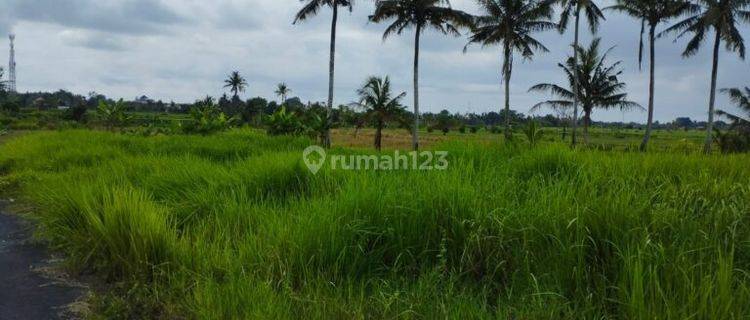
314 158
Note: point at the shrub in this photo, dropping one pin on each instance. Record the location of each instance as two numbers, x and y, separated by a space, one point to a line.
283 122
113 114
533 133
732 141
206 118
77 113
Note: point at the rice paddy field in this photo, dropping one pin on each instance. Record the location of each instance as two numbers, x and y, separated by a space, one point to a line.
234 226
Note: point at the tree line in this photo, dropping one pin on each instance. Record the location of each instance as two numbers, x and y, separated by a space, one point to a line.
511 25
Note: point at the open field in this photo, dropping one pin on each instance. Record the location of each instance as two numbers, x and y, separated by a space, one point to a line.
601 139
233 226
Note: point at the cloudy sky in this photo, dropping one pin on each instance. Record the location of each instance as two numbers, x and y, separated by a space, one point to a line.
181 50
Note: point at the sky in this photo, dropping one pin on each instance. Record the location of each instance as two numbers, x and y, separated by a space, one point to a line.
181 50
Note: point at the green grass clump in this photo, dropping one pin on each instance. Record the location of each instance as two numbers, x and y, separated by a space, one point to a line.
234 226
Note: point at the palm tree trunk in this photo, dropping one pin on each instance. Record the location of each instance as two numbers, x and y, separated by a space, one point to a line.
575 78
331 65
415 132
712 99
586 124
379 136
652 58
506 73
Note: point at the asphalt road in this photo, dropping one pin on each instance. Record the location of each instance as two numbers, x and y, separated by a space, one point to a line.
24 293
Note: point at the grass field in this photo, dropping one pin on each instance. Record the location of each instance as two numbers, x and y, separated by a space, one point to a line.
601 139
233 226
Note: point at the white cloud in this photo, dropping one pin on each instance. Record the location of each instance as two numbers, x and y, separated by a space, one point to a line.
182 49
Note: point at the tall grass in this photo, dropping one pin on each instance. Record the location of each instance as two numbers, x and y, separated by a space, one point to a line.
234 226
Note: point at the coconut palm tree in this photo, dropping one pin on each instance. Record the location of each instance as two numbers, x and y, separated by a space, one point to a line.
282 90
510 23
421 15
742 100
380 105
722 17
309 10
236 83
597 84
651 13
593 15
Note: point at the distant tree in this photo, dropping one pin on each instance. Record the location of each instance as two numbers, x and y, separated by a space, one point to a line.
236 83
598 85
380 105
422 15
444 121
271 108
684 122
722 17
593 15
254 109
651 12
76 113
311 9
282 90
510 23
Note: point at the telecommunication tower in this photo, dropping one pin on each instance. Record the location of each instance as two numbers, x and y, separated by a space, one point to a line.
12 65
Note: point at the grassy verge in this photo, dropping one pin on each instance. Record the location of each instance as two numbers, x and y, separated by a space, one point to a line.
234 226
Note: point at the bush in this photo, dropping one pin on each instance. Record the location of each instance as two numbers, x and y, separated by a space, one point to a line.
462 129
473 129
732 142
77 113
283 122
533 133
113 114
206 118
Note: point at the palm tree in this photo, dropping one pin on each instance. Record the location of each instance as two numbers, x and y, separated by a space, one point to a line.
593 15
742 100
282 90
422 15
236 83
597 84
722 17
651 13
311 9
380 105
510 23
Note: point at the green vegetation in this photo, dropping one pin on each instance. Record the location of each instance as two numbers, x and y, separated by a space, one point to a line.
596 87
511 23
421 15
234 226
722 18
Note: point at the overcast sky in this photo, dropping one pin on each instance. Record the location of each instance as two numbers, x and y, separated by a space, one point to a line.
181 50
